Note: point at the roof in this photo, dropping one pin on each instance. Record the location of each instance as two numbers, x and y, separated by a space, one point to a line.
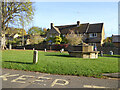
95 28
115 38
66 26
82 28
57 29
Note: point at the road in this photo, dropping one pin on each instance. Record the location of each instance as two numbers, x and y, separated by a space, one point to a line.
26 79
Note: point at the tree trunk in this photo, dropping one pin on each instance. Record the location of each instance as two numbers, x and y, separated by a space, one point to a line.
3 40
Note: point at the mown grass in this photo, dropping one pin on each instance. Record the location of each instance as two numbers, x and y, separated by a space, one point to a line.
59 63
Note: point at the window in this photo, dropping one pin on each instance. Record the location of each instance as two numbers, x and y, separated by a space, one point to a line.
90 35
93 35
93 44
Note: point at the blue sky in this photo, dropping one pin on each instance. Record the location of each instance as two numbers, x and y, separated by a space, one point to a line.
63 13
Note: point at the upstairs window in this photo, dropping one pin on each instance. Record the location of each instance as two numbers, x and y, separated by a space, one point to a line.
93 35
93 44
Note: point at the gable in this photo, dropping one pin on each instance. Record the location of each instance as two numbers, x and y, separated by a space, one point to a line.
53 30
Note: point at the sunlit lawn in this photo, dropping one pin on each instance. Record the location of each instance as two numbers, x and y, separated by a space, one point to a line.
59 63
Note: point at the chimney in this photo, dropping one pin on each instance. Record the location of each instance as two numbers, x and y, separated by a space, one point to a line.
52 25
78 23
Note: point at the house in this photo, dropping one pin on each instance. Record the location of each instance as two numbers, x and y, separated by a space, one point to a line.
16 35
12 36
116 40
93 33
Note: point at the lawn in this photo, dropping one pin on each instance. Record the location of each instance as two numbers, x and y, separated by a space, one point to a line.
59 63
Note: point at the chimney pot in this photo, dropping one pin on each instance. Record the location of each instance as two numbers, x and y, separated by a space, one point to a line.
52 25
78 23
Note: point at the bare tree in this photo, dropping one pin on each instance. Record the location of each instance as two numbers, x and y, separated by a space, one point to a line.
11 13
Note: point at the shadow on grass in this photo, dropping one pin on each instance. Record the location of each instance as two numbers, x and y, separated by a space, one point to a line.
19 62
111 56
60 55
71 57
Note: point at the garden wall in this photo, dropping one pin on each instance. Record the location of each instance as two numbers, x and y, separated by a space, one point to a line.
106 50
41 47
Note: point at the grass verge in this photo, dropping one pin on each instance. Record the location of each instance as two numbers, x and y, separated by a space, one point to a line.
59 63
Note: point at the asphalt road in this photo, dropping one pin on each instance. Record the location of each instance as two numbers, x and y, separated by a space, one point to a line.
25 79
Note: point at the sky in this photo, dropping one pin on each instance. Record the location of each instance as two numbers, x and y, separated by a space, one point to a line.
65 13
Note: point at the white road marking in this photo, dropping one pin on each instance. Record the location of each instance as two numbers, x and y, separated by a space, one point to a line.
55 82
91 86
7 75
41 77
21 78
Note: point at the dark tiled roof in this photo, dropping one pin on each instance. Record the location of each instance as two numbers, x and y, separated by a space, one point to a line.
66 26
115 38
66 29
83 28
95 28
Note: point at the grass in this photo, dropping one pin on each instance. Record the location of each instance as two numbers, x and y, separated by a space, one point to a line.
59 63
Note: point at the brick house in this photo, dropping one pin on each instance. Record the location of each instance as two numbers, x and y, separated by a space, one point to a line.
116 40
93 33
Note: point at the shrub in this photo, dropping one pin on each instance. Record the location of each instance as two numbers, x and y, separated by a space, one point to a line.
60 46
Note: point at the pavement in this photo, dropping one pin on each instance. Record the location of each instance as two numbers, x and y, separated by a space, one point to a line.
27 79
112 75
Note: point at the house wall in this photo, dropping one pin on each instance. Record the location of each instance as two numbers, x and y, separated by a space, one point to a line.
98 44
116 44
99 35
16 35
102 35
52 32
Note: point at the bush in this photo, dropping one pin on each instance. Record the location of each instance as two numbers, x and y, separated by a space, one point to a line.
60 46
108 44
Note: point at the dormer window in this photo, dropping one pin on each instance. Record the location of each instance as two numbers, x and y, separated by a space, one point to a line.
93 35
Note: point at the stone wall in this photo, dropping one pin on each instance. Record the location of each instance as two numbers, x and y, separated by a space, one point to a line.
39 47
106 50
